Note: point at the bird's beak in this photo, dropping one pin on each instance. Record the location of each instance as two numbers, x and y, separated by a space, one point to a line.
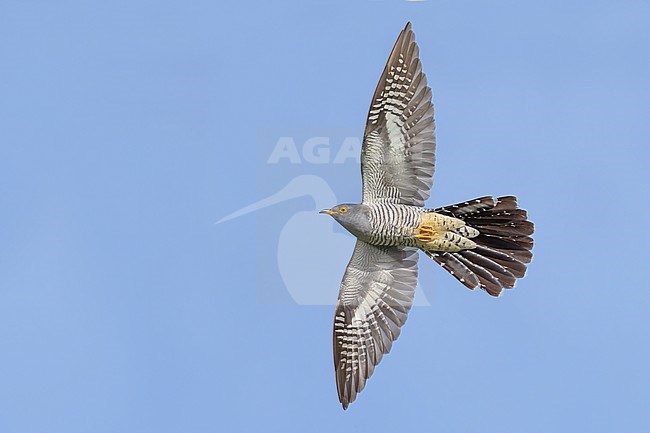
327 211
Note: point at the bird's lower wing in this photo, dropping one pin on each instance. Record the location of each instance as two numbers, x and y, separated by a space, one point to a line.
375 296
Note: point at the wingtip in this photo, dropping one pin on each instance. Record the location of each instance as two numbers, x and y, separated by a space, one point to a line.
408 26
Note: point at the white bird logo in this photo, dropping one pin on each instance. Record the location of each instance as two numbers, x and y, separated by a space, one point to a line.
307 271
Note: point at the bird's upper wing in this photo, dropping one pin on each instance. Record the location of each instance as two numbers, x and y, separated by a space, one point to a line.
398 152
375 296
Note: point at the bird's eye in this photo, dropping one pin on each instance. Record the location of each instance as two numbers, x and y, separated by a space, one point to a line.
343 209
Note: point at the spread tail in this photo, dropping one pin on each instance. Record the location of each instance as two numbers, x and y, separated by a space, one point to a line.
503 245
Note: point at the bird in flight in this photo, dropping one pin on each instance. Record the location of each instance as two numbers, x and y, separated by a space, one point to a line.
484 243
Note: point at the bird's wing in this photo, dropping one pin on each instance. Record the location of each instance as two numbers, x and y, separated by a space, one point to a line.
398 152
375 296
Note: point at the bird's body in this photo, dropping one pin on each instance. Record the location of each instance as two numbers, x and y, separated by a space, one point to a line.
390 224
484 243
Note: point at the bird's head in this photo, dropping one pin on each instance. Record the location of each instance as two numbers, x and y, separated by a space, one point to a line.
354 217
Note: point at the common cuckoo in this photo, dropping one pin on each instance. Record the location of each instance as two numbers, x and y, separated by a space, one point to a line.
484 243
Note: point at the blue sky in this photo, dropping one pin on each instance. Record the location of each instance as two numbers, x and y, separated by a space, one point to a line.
128 128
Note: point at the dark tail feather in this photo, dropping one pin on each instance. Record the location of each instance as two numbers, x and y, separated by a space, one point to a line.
455 267
503 246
